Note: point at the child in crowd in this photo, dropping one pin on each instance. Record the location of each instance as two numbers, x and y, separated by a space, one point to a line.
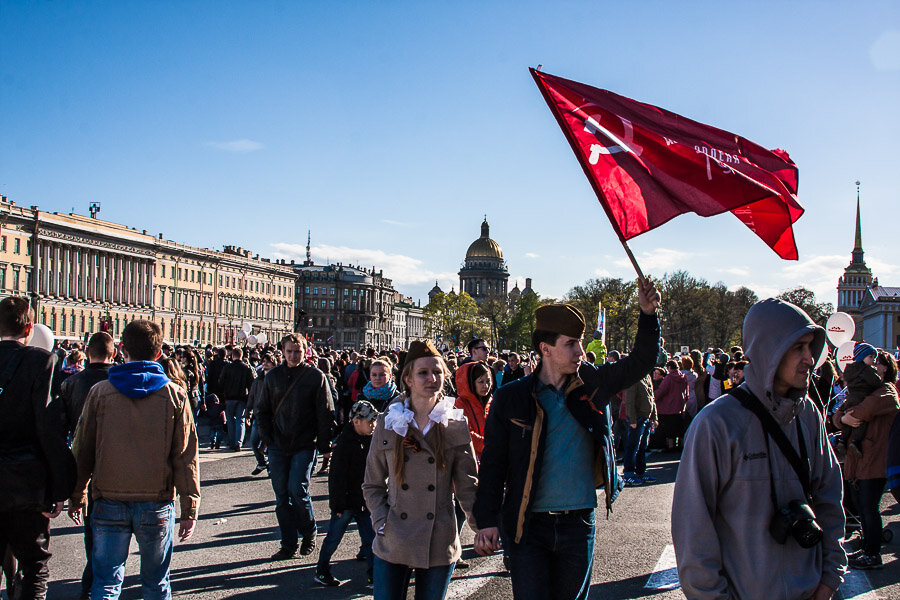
862 379
215 413
345 498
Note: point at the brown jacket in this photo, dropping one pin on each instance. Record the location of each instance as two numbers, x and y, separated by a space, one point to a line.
418 518
138 450
878 410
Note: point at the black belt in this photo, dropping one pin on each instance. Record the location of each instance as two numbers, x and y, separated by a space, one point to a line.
561 513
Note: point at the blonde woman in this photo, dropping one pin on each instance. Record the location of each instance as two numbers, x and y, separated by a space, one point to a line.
421 452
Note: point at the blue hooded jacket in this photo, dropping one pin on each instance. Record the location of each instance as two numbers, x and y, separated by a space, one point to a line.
139 378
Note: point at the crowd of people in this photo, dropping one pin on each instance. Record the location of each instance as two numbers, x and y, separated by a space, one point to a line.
417 443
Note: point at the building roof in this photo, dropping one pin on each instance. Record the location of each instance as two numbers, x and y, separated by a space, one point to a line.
484 247
888 293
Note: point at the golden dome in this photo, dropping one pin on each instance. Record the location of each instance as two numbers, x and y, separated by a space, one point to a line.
484 247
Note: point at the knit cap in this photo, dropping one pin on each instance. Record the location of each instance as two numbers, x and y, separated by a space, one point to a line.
862 350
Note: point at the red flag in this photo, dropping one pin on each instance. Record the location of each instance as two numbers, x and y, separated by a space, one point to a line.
648 165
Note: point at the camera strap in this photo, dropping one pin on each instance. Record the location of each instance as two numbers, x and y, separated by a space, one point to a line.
800 463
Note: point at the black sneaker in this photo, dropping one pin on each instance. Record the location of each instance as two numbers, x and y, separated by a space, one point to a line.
865 562
308 544
327 579
284 554
360 556
259 469
461 564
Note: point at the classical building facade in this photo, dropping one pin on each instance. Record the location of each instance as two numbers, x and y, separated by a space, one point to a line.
880 312
856 280
344 306
80 270
484 272
409 321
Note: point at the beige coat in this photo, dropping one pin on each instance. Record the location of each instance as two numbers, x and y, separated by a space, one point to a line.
418 518
138 450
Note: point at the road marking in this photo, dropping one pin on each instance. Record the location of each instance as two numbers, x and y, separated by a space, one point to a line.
857 586
665 573
468 581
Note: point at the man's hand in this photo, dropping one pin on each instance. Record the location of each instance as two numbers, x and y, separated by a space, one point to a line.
823 592
487 541
186 528
648 296
54 510
76 513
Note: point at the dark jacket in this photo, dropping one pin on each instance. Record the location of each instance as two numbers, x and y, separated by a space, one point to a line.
235 381
74 390
213 371
510 375
33 450
302 420
348 470
515 437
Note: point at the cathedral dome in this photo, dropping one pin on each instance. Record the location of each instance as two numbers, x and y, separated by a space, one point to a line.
484 247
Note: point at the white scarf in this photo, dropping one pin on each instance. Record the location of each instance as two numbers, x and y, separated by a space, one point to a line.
399 416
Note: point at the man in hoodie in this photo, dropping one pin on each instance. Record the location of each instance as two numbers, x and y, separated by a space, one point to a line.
136 442
733 476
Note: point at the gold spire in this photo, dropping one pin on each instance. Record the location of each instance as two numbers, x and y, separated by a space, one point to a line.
857 242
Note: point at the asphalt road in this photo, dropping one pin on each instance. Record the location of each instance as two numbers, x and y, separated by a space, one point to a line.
229 553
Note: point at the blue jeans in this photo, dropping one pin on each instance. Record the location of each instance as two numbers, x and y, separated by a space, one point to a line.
336 529
392 581
554 560
636 448
290 474
216 434
234 417
256 444
153 525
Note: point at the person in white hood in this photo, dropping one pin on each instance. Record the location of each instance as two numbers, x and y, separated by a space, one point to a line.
732 475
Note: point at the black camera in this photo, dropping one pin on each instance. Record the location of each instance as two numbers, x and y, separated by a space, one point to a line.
798 520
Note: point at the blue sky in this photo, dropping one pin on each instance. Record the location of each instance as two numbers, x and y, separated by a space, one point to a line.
390 128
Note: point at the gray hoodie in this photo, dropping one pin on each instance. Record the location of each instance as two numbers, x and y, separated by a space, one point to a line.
722 507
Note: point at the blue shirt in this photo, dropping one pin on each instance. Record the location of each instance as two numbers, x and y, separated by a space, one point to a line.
567 473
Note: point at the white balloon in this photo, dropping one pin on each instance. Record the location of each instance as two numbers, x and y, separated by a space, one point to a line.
241 334
251 339
262 338
41 337
247 327
845 354
840 328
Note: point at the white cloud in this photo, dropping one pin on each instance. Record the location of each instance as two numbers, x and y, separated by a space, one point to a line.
532 255
402 270
885 51
740 271
397 223
236 146
601 272
659 260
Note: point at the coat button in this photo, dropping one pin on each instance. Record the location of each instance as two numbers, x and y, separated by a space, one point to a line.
431 460
402 515
430 487
405 486
384 443
430 516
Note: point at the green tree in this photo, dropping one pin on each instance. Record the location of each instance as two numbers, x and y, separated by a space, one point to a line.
619 298
806 299
496 314
452 318
517 334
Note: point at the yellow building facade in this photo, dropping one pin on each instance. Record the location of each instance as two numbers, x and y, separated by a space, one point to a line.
78 270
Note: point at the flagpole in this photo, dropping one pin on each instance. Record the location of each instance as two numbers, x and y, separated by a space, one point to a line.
631 257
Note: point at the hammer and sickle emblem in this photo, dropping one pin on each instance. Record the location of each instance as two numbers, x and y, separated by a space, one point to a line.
592 125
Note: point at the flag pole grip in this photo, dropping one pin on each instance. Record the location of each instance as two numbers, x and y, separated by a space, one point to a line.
633 260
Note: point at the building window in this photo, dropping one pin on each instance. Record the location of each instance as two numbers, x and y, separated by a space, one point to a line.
346 292
331 304
353 305
354 293
3 278
15 279
331 292
3 244
315 290
17 247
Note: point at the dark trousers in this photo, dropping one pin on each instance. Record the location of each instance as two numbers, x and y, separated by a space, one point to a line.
290 475
554 560
27 534
636 448
87 576
867 498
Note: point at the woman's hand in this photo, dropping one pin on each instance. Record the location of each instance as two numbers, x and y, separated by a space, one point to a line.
849 419
487 541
